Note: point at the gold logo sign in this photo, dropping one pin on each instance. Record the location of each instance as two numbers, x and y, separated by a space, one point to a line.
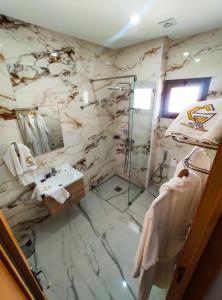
199 115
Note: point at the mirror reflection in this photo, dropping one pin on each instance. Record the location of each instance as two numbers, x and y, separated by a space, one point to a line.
40 128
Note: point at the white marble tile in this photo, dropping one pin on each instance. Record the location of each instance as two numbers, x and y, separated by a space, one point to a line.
117 192
87 253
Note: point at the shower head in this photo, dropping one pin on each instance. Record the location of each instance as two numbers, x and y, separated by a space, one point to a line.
121 88
117 88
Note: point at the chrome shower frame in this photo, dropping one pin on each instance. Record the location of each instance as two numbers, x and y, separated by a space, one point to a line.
115 77
130 132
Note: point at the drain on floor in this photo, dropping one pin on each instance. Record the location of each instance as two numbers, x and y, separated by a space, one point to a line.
118 189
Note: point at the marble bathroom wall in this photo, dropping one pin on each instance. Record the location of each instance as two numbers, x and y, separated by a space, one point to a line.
208 48
37 79
7 96
90 114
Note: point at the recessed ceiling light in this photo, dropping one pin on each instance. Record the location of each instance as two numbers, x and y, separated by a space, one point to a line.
124 284
186 53
197 59
54 53
134 20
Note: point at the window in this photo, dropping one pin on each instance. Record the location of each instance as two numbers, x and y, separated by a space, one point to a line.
142 98
178 94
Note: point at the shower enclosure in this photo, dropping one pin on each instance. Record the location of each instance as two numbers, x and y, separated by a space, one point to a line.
130 104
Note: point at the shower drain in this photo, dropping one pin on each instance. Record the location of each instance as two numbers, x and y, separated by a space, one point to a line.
118 189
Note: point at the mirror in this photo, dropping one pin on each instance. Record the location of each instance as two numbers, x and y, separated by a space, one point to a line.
40 128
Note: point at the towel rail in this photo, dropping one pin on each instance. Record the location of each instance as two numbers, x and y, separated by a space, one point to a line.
186 161
189 141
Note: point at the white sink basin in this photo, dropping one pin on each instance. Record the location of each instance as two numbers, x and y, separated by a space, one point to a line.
65 176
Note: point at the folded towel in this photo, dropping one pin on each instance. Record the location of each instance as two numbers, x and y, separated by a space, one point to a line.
201 121
214 134
60 194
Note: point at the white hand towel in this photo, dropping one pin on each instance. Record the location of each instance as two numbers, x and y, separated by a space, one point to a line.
37 194
201 121
60 195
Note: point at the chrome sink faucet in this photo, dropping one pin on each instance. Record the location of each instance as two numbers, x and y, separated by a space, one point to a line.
54 172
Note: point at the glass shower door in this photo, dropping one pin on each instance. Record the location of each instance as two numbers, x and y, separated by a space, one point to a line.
140 126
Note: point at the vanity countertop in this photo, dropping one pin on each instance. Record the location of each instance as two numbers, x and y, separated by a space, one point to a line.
65 176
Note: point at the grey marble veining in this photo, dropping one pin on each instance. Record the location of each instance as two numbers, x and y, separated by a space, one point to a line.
90 113
88 252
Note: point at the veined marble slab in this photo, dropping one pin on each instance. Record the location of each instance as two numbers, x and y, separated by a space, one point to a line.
88 253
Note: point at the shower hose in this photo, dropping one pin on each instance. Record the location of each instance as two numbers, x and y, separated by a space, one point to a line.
158 178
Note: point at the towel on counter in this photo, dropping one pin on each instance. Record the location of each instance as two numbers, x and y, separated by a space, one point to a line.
20 164
164 232
60 194
201 121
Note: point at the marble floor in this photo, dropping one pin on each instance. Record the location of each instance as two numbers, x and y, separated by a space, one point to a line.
115 191
87 253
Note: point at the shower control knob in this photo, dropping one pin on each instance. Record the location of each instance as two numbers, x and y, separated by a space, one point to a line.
116 137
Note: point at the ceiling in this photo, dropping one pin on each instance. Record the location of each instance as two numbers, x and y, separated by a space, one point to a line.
107 22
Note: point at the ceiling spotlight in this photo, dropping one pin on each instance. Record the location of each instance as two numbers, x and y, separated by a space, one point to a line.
134 20
197 59
186 53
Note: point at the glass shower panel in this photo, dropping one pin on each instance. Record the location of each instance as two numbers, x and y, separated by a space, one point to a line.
141 115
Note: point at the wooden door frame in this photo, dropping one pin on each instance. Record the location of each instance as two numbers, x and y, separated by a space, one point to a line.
14 273
13 250
209 267
206 218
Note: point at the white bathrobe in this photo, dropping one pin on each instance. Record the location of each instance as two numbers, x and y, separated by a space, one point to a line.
35 137
199 159
30 134
21 166
43 133
164 231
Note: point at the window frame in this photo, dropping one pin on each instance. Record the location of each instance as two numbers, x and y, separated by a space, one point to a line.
169 84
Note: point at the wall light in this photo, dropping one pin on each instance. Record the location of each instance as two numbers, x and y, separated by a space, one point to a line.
54 53
197 59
